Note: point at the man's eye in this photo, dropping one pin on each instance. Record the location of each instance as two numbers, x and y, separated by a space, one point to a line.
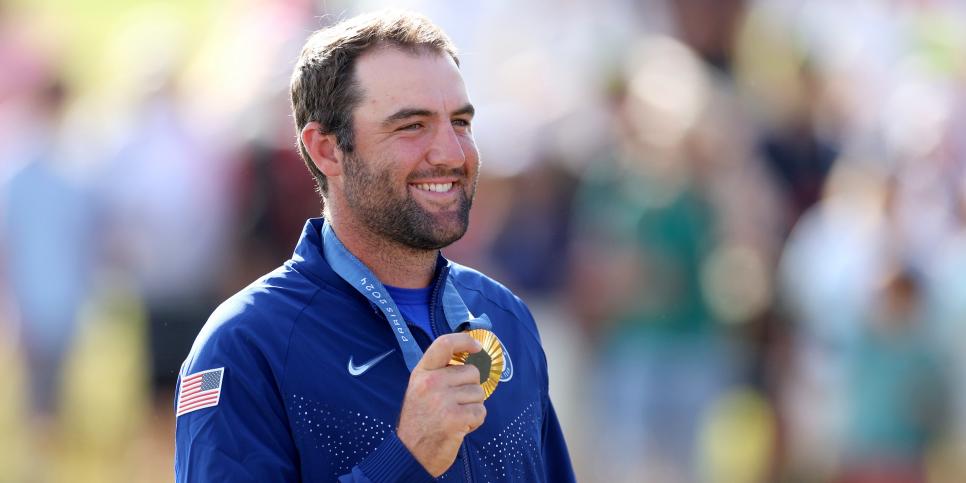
461 123
411 127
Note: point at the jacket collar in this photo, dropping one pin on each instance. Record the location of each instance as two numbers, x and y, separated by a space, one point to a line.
309 260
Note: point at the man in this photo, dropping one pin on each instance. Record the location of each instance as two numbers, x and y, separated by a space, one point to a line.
337 364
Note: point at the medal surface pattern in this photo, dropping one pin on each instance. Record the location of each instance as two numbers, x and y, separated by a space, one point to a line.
489 360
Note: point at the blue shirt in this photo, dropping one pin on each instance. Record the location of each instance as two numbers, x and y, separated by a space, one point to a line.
313 383
414 305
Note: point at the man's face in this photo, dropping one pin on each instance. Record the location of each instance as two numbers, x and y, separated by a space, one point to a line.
413 174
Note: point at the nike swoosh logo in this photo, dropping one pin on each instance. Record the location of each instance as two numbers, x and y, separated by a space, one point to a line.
361 369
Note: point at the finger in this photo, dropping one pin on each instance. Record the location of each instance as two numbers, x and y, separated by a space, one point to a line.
442 349
445 378
459 375
468 394
475 415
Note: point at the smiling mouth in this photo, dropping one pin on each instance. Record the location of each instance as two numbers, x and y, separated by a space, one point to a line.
434 187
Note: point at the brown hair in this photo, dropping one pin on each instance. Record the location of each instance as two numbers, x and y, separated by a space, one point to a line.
323 84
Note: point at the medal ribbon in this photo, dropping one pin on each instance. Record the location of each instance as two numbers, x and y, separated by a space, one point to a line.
356 274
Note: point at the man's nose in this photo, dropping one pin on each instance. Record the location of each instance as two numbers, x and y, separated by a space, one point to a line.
446 149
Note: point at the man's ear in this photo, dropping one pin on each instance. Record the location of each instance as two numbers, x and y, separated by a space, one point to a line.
323 149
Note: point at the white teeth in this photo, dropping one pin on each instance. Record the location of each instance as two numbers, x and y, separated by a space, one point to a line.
437 187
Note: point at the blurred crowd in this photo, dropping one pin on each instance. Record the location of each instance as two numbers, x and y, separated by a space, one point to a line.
740 224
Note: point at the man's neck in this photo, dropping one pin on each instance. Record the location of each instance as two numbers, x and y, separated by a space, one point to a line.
391 262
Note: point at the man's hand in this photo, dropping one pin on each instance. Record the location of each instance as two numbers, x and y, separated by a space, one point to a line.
442 405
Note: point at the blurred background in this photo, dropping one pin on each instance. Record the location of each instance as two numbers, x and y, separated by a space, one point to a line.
740 224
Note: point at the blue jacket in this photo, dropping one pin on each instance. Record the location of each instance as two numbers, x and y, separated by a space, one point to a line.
290 408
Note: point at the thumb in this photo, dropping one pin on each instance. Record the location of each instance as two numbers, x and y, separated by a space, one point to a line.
442 349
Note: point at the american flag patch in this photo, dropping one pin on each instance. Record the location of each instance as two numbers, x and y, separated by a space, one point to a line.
200 390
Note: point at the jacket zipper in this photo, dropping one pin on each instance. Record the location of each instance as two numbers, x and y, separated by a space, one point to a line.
466 461
433 302
436 333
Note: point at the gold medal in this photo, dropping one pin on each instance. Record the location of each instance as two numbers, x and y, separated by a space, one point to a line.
489 360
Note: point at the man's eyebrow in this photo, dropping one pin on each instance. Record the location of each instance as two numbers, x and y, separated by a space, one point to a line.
408 112
465 110
405 113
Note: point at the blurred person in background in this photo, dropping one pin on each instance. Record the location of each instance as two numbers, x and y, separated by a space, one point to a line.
531 246
168 202
48 246
827 273
898 390
646 227
385 126
798 157
274 199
